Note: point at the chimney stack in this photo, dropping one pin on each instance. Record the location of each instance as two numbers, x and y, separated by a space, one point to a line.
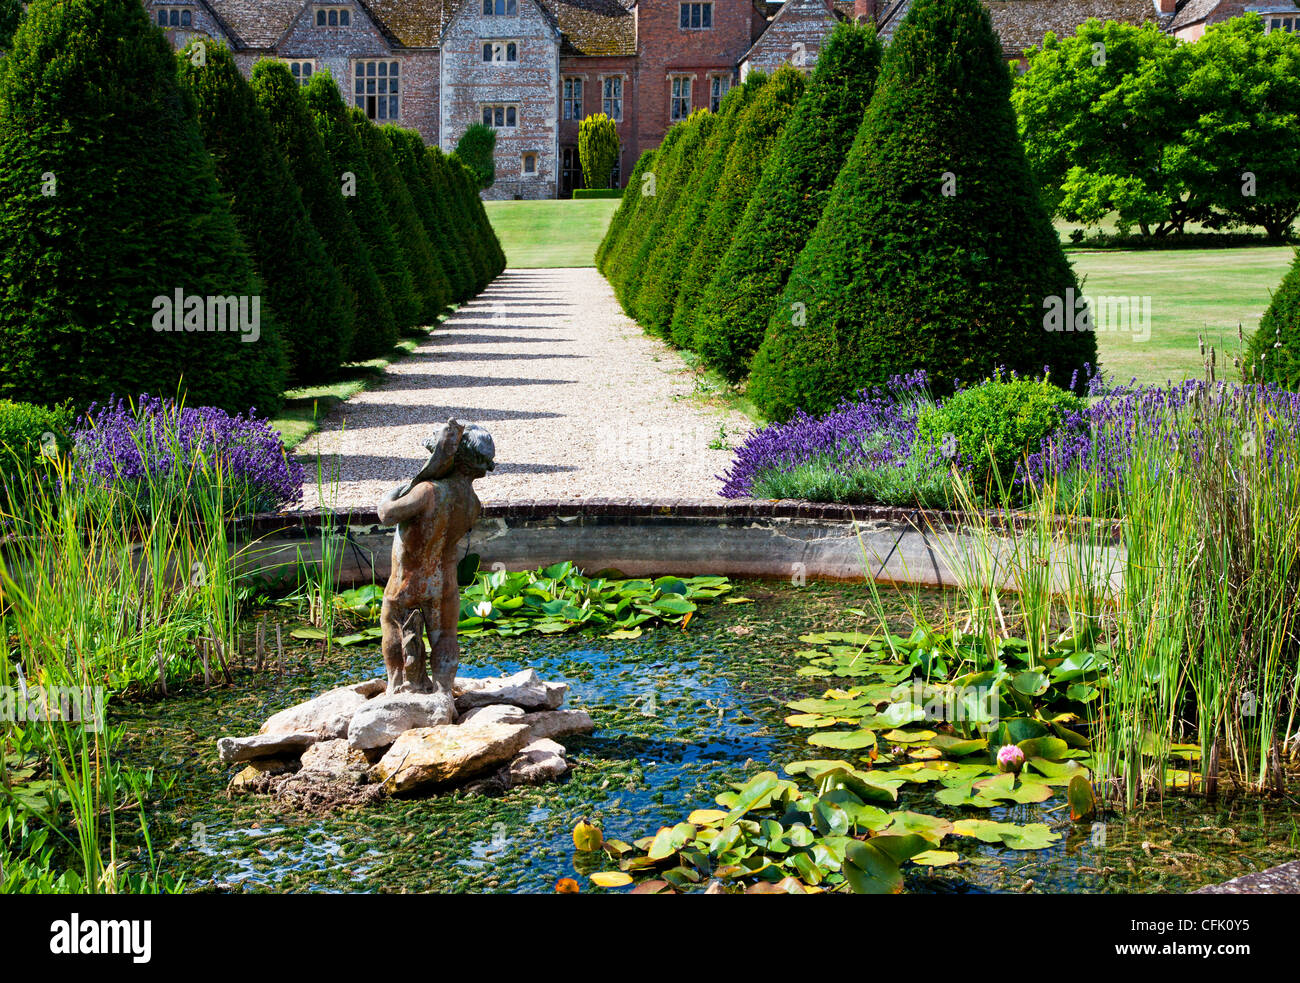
868 10
1167 6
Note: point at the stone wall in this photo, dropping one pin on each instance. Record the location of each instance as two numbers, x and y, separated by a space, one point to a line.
531 84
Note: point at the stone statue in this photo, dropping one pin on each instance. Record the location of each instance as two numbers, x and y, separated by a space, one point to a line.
432 512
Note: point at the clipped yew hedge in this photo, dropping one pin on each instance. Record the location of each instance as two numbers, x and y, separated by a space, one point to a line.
279 95
933 251
784 208
758 129
300 282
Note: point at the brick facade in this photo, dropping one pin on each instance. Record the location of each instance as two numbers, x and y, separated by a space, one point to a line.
554 62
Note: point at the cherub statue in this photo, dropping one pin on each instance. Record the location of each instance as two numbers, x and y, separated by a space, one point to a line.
432 512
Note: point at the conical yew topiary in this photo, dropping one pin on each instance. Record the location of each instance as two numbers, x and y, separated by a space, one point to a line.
620 222
109 213
455 196
672 171
427 275
933 251
408 151
1274 351
301 283
785 207
280 97
656 298
757 131
362 196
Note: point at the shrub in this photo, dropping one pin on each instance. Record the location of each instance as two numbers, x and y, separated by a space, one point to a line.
619 221
597 149
990 428
1273 354
108 200
10 12
429 280
453 191
656 297
623 271
23 436
301 283
279 95
476 149
679 158
151 447
933 250
742 169
430 202
480 225
785 207
366 205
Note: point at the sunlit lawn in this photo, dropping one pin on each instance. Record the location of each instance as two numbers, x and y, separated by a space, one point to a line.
1193 291
551 233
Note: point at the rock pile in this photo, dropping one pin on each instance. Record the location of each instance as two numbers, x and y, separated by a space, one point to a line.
356 743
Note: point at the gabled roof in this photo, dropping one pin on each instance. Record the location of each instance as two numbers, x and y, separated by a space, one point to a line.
1023 24
594 27
413 23
1192 11
825 5
257 23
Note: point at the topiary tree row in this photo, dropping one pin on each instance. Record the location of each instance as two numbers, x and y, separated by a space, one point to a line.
620 222
759 127
785 206
934 251
168 226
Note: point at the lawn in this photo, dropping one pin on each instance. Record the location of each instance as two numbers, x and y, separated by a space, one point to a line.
551 233
1193 291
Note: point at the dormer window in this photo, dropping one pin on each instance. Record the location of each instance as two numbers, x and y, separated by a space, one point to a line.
333 17
175 17
500 8
501 51
1282 23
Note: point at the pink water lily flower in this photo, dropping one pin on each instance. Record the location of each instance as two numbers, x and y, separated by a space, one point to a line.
1010 758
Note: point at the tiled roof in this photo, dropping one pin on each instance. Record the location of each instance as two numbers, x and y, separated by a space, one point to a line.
594 27
1024 23
413 23
1192 11
257 23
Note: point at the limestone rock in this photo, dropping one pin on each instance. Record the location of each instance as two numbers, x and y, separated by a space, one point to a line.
557 723
232 749
495 712
438 755
327 716
334 759
263 766
541 761
386 718
524 689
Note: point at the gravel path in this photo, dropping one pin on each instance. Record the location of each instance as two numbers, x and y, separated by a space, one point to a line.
580 402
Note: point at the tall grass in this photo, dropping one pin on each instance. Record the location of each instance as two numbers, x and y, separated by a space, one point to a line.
1197 614
104 588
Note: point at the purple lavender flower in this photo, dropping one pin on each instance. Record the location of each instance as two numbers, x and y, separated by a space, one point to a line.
130 444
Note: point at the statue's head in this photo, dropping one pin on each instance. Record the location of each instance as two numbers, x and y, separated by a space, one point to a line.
476 451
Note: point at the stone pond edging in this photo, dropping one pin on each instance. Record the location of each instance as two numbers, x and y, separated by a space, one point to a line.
650 537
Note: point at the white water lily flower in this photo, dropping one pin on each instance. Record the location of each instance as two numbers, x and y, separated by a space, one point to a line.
483 608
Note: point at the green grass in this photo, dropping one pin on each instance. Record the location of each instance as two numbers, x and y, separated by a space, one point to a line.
551 232
1193 291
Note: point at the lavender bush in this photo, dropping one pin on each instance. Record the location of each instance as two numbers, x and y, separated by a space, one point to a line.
865 450
152 443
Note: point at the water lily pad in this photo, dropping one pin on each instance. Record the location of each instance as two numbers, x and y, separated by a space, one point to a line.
611 878
936 858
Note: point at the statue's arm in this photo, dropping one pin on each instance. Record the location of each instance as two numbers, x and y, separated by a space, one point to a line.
397 507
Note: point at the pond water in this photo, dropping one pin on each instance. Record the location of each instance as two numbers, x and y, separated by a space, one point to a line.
679 715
